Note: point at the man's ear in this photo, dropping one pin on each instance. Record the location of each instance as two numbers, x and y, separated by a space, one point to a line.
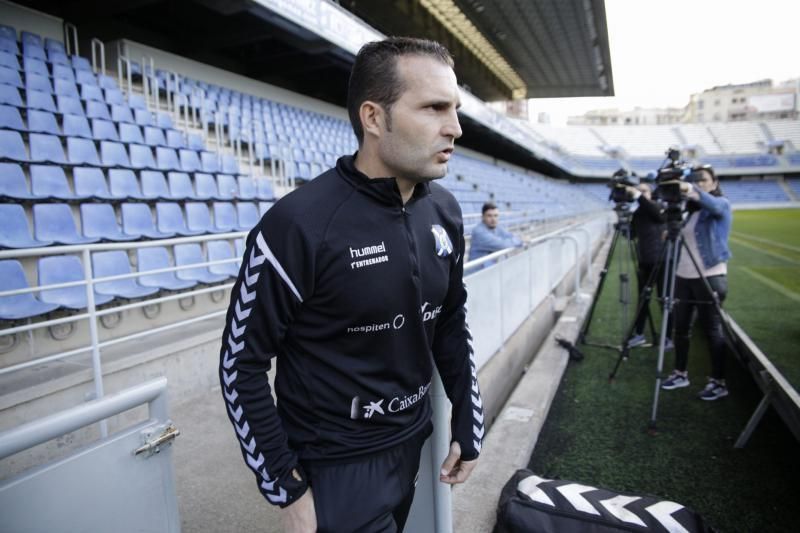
373 118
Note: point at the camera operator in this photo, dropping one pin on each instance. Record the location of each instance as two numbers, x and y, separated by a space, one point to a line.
648 225
706 236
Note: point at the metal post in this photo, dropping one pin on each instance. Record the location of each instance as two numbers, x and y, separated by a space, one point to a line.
440 447
95 338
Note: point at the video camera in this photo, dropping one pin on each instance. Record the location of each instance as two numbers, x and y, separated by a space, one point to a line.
619 180
669 178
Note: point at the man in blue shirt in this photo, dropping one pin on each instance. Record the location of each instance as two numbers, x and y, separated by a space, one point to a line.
488 236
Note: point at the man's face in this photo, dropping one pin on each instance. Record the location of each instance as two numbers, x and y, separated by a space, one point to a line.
490 217
424 123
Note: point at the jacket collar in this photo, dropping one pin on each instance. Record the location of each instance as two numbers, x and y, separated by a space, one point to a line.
384 190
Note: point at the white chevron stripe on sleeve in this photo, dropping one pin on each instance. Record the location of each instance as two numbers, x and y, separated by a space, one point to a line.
616 506
262 245
573 493
662 511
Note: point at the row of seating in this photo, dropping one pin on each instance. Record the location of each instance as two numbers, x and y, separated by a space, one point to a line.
69 268
49 182
73 105
55 224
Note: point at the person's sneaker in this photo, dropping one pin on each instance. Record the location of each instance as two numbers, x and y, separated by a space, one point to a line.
669 345
676 380
636 340
714 390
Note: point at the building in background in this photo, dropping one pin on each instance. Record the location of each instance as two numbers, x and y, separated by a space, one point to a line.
639 116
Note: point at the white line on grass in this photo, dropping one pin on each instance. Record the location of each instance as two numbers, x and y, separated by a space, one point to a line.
763 251
767 241
774 285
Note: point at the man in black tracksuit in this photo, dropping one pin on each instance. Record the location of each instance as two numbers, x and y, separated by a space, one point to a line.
354 283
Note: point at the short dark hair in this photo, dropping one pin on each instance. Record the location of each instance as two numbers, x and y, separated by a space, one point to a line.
713 175
374 75
488 206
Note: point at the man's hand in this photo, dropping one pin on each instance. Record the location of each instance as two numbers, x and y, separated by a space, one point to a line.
454 470
300 517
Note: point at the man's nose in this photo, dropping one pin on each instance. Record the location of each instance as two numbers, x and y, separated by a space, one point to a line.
452 127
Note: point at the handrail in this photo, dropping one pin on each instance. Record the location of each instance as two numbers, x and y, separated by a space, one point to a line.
97 44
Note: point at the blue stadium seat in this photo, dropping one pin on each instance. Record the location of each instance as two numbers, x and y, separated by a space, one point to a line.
123 184
33 51
75 126
154 186
64 269
170 219
9 60
263 207
138 220
228 188
99 221
97 110
9 76
141 156
34 66
210 162
189 161
42 122
175 139
12 277
91 183
157 258
107 82
247 188
65 88
136 101
116 263
164 121
54 222
130 133
265 191
224 217
10 96
46 149
155 137
69 105
195 142
14 231
114 96
31 38
8 32
63 72
114 155
121 113
180 186
82 152
49 181
85 77
57 57
218 251
247 214
206 186
54 45
198 217
13 184
167 159
238 245
11 119
40 100
81 64
104 130
92 92
9 45
190 254
143 117
37 82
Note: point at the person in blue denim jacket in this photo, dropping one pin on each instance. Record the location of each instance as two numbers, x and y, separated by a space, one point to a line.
706 235
488 236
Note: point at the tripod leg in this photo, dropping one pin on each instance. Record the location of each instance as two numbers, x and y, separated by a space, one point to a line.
603 273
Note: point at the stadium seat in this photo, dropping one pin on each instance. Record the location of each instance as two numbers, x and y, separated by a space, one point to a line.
164 121
82 152
99 221
130 133
9 46
11 146
57 57
114 155
137 220
10 61
116 263
210 162
64 269
63 72
8 32
189 161
123 184
190 254
92 92
33 51
167 159
54 222
154 186
12 277
175 139
114 96
14 231
97 110
121 113
10 96
170 219
11 119
247 214
155 137
30 38
195 142
157 258
9 76
238 245
69 105
224 217
263 207
143 117
91 183
218 251
65 88
141 156
13 184
75 126
107 82
34 66
264 187
40 100
81 64
49 181
46 149
228 188
37 82
206 186
180 186
136 101
198 218
41 122
104 130
247 188
85 77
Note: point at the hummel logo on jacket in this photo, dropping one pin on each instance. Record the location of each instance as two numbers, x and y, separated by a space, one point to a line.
357 297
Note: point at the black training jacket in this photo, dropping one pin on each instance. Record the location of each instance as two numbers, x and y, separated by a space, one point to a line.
649 224
357 297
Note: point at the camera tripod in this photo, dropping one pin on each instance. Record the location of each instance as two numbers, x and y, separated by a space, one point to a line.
625 259
667 267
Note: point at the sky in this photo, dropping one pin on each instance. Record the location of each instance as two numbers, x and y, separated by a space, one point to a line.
662 51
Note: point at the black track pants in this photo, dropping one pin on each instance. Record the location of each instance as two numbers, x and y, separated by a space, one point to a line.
373 495
688 292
